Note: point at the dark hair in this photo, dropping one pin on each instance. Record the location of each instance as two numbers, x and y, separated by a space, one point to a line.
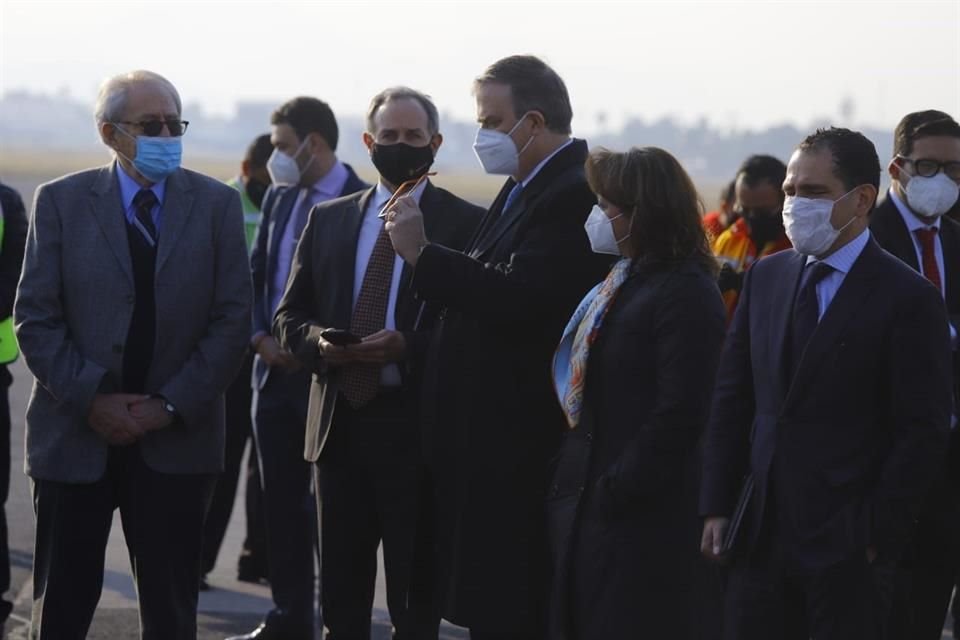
308 115
761 168
534 86
922 124
399 93
855 159
652 188
259 151
729 192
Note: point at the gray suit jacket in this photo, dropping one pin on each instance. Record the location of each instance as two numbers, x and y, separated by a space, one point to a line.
74 307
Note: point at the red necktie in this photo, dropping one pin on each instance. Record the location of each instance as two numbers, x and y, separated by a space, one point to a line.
360 382
928 240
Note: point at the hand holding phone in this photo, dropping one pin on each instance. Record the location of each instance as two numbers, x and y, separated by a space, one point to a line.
339 337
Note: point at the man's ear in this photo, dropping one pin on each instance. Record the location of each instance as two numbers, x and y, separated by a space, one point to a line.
894 169
108 133
368 141
866 198
435 143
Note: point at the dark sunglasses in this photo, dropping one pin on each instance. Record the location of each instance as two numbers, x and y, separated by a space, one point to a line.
155 127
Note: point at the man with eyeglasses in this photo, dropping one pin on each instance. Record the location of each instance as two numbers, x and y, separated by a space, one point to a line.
910 223
132 314
758 230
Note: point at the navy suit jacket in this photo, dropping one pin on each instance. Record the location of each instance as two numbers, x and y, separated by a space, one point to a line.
277 208
855 439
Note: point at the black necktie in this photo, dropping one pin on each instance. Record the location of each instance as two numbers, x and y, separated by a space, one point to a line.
143 204
806 310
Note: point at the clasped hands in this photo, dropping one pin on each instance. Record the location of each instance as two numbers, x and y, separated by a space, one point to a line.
124 418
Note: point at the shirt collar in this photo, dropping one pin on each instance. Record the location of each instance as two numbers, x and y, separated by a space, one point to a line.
909 217
331 184
542 163
130 187
843 258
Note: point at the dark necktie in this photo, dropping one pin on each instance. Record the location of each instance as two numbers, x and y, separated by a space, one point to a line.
928 255
143 204
512 197
359 382
806 310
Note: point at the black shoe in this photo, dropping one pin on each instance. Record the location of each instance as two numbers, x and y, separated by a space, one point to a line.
276 627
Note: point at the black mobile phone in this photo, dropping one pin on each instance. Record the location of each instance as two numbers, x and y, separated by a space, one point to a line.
339 337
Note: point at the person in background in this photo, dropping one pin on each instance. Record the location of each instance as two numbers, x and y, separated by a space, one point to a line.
717 221
305 171
251 184
13 236
911 224
758 231
133 312
834 396
634 372
491 423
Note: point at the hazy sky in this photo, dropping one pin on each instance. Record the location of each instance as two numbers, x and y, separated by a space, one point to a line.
743 64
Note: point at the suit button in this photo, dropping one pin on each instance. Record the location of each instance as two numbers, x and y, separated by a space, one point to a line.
589 437
554 490
130 299
118 348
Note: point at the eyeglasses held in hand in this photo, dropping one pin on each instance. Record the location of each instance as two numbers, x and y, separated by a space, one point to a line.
402 190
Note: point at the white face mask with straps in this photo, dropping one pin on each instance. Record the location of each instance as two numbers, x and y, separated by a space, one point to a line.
496 151
599 230
931 196
807 223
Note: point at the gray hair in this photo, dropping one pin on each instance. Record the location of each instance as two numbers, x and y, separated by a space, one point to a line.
114 92
396 93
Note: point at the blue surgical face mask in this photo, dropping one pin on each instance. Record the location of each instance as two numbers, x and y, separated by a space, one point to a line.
157 157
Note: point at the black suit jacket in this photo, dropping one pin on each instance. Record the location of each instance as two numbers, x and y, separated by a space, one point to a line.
624 493
320 291
277 208
857 436
491 419
887 226
11 256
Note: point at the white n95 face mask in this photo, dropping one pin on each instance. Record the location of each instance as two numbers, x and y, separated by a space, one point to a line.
931 197
283 168
599 230
497 152
807 223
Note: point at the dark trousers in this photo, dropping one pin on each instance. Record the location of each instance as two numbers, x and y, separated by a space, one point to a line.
929 572
5 380
847 601
239 423
162 517
280 415
371 479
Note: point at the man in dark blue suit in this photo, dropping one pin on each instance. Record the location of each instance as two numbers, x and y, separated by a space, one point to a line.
911 224
834 394
305 171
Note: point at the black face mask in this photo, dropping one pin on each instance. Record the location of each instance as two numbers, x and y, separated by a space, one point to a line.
256 190
764 227
400 162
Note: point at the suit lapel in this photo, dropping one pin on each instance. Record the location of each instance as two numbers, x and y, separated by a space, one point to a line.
479 240
507 218
278 221
950 241
894 229
106 206
857 285
352 223
177 205
781 303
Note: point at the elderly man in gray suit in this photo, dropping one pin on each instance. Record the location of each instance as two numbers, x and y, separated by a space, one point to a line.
133 313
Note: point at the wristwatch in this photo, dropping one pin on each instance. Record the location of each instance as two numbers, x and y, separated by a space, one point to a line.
168 407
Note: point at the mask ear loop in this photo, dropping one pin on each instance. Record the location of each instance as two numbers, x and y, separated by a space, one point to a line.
403 189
